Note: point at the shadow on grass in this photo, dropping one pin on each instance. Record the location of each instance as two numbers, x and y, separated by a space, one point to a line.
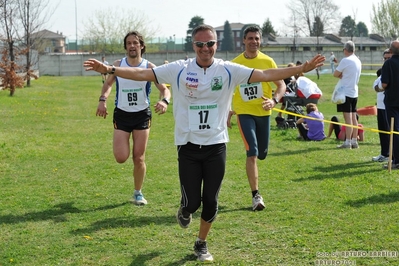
142 259
376 199
227 209
297 151
126 222
341 171
141 221
183 261
56 213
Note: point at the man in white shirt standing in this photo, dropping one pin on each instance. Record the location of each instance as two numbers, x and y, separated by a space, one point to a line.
348 71
333 60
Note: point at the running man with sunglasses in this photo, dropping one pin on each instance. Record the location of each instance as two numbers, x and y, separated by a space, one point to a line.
202 91
253 121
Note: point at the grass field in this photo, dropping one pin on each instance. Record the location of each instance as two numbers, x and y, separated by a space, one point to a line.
64 199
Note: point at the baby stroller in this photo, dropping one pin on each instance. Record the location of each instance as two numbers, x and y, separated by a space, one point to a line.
298 95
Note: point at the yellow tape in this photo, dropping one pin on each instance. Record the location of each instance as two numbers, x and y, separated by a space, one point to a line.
332 122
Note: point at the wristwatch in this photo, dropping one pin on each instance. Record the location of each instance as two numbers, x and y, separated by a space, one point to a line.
166 101
112 70
275 100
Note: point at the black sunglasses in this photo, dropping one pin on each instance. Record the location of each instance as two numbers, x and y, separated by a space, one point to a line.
208 44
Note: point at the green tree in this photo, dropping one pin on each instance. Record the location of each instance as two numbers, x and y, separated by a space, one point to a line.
362 29
267 28
227 42
348 27
385 18
318 28
194 22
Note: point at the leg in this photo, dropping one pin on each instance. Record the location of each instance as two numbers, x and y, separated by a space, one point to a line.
255 133
337 128
281 108
394 112
354 129
190 176
140 140
213 172
252 172
384 126
121 145
205 227
348 121
247 127
196 165
303 131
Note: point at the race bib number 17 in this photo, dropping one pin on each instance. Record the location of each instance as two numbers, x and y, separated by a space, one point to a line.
202 117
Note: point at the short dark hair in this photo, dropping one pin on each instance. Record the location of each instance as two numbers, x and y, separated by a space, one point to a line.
139 36
386 51
203 27
252 29
379 72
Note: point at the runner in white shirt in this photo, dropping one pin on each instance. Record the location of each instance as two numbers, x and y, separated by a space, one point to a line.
202 92
132 113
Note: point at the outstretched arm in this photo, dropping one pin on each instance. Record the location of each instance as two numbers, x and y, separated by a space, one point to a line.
281 73
134 73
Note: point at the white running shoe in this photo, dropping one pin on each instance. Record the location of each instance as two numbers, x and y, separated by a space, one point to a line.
138 199
257 203
380 158
201 251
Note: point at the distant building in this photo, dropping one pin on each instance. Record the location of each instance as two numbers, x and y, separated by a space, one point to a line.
322 44
237 30
46 41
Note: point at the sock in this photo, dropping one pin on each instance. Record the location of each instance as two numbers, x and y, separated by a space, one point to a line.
254 193
136 192
347 141
199 240
354 140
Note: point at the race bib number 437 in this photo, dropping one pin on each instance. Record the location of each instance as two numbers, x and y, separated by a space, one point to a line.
251 91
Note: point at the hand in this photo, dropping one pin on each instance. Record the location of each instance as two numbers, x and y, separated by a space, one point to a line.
102 109
315 62
268 104
231 113
161 107
93 64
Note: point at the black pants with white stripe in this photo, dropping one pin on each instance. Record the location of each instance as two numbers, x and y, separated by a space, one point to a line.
201 171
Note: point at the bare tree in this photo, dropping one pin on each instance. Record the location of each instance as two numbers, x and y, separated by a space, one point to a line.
33 15
385 18
105 33
309 12
9 26
19 18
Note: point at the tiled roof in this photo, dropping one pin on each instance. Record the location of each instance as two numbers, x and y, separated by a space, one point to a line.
48 35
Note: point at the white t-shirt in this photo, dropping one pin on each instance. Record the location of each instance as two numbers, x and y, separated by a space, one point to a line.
202 98
351 67
332 57
380 95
